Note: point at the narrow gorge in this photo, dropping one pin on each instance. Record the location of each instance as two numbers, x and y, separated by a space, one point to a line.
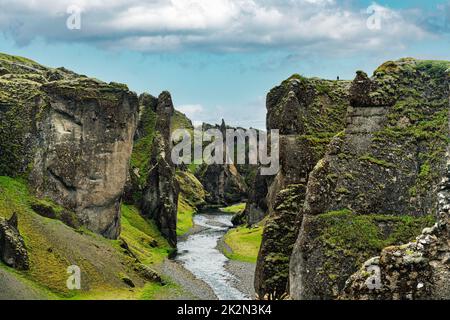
87 182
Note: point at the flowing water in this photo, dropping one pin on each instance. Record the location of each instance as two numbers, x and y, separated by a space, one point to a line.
200 255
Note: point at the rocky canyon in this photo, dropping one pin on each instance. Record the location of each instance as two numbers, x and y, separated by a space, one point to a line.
358 210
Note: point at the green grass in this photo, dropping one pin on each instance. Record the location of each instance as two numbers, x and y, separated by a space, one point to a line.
141 234
52 247
244 243
235 208
349 233
40 291
185 216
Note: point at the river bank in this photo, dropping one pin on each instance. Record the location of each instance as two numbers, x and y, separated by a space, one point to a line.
201 268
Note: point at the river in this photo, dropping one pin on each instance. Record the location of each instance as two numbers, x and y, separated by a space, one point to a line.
199 254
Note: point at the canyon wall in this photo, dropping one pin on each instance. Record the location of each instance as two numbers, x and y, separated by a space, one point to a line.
378 183
307 113
73 135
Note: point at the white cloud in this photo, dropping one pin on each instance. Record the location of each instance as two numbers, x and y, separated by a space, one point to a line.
190 109
212 25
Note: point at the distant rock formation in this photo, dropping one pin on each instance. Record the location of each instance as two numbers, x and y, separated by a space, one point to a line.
256 207
12 246
74 136
223 182
160 194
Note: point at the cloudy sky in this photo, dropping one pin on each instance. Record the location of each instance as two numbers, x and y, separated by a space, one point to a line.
219 58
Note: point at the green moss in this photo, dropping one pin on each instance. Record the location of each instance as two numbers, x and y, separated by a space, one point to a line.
387 67
361 236
379 162
185 216
17 122
343 190
295 76
233 209
18 59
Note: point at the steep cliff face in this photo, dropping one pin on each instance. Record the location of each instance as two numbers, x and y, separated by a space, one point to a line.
160 194
417 270
377 184
72 134
223 183
308 113
256 207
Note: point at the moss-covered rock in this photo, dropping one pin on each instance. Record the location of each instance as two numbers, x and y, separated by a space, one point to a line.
388 161
308 113
71 134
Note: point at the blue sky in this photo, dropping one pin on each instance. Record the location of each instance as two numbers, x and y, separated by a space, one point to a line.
219 58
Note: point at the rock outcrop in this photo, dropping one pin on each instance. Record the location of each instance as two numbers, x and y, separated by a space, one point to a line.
256 207
419 270
160 194
378 182
72 134
12 246
307 113
222 182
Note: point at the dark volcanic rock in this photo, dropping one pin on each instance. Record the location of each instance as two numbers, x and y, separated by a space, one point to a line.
377 184
308 113
418 270
160 195
256 207
12 247
72 134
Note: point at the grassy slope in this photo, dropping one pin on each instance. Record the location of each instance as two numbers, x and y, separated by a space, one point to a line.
185 216
53 247
243 242
192 196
